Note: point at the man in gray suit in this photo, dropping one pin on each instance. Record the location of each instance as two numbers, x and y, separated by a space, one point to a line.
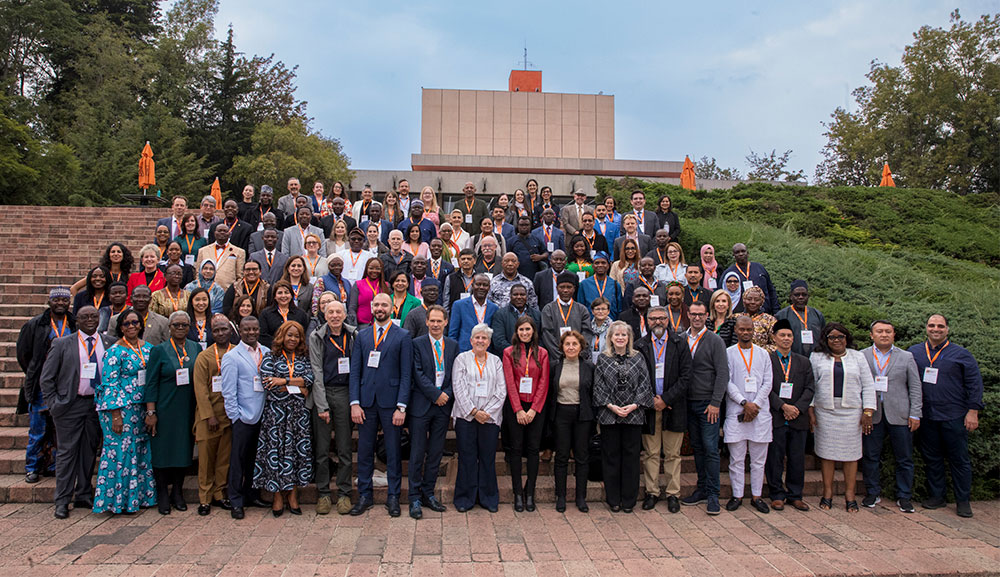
293 241
899 404
271 260
69 378
156 330
571 215
257 238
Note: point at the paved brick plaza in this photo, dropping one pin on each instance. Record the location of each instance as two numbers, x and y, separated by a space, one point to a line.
543 543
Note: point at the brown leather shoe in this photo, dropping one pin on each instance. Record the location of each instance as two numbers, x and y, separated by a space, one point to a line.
778 505
800 505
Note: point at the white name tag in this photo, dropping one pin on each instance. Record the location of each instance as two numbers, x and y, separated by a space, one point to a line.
593 253
785 392
189 259
439 378
202 344
489 275
204 234
141 377
582 276
89 371
396 322
525 388
373 359
712 283
344 366
293 390
747 285
464 295
468 219
654 300
183 378
564 330
594 355
481 389
660 370
807 337
258 387
217 384
749 385
882 384
930 375
550 246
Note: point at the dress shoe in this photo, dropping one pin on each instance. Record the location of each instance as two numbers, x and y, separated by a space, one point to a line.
223 504
461 508
933 503
179 504
649 503
529 501
344 505
734 504
581 505
673 504
760 505
712 505
490 508
31 477
615 508
392 505
518 502
258 502
62 511
626 509
800 505
278 512
204 510
695 498
236 512
415 511
83 503
163 508
561 503
777 505
295 510
363 504
964 509
434 505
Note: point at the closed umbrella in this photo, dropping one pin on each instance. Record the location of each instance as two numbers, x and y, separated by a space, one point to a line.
687 174
887 177
147 168
217 193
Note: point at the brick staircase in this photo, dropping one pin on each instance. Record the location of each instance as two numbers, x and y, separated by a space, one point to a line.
44 247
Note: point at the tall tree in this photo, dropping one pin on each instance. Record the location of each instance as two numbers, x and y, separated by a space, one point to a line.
772 166
707 169
933 118
280 151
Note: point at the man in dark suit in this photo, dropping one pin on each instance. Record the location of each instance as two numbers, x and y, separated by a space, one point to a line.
430 409
427 229
548 234
70 375
669 363
257 238
439 267
789 400
382 359
271 260
647 220
545 280
178 207
694 292
239 231
338 213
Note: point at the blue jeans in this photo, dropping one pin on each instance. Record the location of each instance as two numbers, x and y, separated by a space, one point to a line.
705 444
940 440
902 448
40 447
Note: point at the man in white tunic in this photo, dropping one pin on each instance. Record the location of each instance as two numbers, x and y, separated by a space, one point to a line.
748 415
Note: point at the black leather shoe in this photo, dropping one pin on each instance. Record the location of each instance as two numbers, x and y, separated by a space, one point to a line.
278 512
392 504
673 504
363 504
163 508
760 505
415 511
434 505
615 508
224 504
258 502
649 502
180 505
489 508
561 503
62 511
518 503
529 501
83 503
204 510
31 477
733 504
626 509
581 505
295 510
236 512
461 509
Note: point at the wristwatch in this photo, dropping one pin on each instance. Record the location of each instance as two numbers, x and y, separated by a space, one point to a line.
869 412
151 413
743 403
401 409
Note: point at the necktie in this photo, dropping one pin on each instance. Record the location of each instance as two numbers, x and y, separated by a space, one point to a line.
379 336
93 358
270 258
579 214
440 355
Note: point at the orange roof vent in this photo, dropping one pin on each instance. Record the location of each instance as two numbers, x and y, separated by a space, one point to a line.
525 81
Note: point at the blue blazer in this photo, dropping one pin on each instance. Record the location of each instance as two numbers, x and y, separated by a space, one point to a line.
386 227
330 284
428 231
558 238
382 385
446 269
611 232
463 318
588 292
425 391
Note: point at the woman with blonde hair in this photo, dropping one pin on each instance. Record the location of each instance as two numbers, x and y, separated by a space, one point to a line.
338 239
674 268
432 211
625 270
721 319
149 273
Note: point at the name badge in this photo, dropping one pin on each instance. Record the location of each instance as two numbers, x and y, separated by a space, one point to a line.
594 355
260 226
464 295
489 275
712 283
582 276
749 385
258 387
785 392
89 371
564 330
141 377
882 384
550 246
396 322
344 366
747 285
481 389
217 384
468 218
204 234
189 259
593 253
373 359
202 344
807 337
293 390
525 388
930 375
654 300
183 378
660 370
439 378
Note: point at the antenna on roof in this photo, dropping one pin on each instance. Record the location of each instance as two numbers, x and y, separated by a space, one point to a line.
526 63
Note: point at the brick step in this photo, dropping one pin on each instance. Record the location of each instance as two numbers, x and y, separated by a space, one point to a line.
9 289
8 397
11 380
27 304
13 437
8 418
15 322
50 280
8 364
8 349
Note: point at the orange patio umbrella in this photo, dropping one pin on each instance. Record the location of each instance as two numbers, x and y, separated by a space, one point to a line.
887 177
687 174
147 168
217 193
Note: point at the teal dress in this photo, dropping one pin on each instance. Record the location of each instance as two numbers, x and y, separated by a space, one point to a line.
125 476
173 444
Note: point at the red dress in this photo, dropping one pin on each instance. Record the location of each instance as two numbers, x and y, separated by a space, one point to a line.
139 278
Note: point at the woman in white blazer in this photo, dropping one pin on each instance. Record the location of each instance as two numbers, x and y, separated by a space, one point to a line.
841 409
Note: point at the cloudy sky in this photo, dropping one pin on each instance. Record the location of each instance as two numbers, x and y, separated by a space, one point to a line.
710 79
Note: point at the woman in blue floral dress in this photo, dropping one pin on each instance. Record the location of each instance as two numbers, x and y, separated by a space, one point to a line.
284 454
125 477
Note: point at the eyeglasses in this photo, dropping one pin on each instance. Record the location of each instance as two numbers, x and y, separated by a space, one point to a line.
836 338
179 325
697 314
657 319
131 323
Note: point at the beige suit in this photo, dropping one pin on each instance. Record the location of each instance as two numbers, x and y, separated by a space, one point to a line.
228 263
570 219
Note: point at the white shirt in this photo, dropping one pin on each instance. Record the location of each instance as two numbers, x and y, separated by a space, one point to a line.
759 429
354 264
693 338
83 388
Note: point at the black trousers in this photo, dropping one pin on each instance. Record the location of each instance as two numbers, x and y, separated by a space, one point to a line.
518 441
571 434
241 463
427 435
78 436
787 443
477 472
169 484
620 449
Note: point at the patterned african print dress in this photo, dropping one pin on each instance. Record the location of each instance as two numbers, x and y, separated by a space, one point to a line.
284 453
762 323
125 477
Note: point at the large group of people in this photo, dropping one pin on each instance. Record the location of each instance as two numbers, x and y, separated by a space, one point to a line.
265 334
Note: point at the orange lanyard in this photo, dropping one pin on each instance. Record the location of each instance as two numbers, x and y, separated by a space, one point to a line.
660 256
138 352
90 350
475 307
696 341
640 217
62 330
312 265
437 358
396 308
642 323
548 233
478 366
659 352
291 364
180 358
385 331
804 321
651 287
746 275
190 244
600 287
218 362
342 349
466 283
374 289
590 241
176 302
673 269
745 359
247 287
675 325
217 257
304 233
468 207
97 302
435 270
787 369
565 316
937 354
284 314
200 325
883 366
354 260
162 250
492 264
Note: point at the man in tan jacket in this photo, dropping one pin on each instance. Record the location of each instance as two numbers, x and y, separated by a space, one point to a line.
227 257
